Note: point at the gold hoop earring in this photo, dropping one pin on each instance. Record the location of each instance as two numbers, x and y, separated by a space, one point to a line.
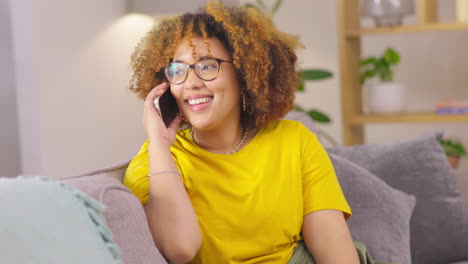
183 117
243 103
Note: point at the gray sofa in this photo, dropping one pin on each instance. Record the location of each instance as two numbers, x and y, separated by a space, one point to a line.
406 208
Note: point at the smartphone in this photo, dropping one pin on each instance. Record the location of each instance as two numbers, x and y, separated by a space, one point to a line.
168 107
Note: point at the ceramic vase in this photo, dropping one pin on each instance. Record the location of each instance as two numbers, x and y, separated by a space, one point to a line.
387 98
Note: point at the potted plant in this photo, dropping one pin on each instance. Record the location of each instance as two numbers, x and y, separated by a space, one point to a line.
303 75
386 96
454 150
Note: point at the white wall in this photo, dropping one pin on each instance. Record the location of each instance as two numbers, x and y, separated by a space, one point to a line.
169 7
89 119
9 143
26 88
74 89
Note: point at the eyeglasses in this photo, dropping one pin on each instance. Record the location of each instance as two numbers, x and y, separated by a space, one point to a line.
206 69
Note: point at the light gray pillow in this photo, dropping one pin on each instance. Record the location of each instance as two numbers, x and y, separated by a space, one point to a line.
49 222
381 214
439 225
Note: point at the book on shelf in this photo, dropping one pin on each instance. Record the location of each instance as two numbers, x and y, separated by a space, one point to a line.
456 107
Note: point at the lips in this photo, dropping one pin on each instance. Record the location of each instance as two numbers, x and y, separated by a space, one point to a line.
198 102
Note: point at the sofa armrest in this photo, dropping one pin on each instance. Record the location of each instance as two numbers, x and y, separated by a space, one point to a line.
125 216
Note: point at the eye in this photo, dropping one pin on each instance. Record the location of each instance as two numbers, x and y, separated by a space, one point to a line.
208 67
177 72
177 69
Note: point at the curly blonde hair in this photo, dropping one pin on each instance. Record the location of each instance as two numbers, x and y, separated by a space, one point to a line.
263 57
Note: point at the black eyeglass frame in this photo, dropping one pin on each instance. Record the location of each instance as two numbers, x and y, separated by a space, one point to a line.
192 66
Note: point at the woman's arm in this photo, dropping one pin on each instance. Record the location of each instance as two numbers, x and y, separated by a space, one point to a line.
327 237
171 217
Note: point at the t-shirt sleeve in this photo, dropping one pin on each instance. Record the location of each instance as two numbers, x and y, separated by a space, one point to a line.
136 176
320 187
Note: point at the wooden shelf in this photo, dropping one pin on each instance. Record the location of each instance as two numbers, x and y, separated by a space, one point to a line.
350 36
409 118
408 29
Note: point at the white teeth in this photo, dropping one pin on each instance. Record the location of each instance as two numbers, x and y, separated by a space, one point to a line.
199 100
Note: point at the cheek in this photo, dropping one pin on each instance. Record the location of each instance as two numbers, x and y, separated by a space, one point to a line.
176 91
228 84
226 90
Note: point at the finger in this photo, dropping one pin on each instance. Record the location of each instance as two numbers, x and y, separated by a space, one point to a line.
158 90
156 104
155 92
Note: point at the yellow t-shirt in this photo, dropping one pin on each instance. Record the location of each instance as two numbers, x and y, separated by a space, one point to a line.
251 204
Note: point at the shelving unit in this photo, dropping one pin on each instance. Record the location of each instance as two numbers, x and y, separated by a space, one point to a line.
349 37
409 29
409 118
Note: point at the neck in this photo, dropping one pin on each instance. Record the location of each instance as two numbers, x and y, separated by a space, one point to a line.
222 140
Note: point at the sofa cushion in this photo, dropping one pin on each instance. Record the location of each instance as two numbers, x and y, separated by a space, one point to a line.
50 222
439 225
125 215
381 214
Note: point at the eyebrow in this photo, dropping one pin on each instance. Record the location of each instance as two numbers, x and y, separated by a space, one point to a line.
199 59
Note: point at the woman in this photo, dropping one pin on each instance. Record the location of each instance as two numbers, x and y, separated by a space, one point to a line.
238 185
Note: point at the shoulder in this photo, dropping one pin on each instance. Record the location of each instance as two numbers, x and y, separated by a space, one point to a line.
142 153
289 128
289 134
285 125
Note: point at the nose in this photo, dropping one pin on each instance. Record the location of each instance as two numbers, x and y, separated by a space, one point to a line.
192 81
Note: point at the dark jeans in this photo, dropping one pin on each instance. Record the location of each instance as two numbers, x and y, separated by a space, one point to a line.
302 256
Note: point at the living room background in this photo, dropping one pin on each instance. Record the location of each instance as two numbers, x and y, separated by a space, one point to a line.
66 108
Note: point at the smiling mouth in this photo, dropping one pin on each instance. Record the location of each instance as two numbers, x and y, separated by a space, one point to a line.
198 101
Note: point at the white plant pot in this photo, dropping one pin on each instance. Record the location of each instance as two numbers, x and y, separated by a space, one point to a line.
387 98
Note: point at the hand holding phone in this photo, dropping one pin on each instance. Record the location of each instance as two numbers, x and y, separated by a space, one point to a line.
160 131
167 106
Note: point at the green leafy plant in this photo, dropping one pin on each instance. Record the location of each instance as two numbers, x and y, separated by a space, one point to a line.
452 147
302 75
312 75
379 67
260 5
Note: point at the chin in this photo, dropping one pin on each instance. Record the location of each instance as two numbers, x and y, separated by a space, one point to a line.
204 124
199 123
